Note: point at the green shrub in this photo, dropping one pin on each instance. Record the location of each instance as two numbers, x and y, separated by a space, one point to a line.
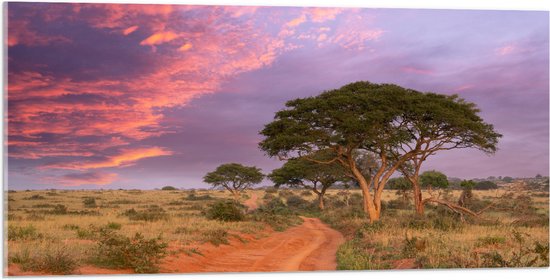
113 225
53 260
276 214
118 251
271 190
89 202
296 202
23 233
168 188
194 197
150 214
490 240
226 211
59 209
34 197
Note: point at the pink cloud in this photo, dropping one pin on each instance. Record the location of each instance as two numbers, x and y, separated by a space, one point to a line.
505 50
159 38
126 157
416 70
130 30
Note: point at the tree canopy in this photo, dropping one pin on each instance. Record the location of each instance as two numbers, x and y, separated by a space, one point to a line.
399 126
434 179
234 177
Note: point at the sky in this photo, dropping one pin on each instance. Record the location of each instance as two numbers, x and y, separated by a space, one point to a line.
143 96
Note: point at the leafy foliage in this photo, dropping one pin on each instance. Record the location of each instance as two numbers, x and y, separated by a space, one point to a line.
226 211
234 177
117 251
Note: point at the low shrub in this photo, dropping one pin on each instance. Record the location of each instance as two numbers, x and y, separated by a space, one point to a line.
490 240
275 213
168 188
23 233
58 209
57 260
296 202
89 202
216 236
34 197
117 251
150 214
194 197
226 211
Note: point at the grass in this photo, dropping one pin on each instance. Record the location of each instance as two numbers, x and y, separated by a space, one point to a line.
59 226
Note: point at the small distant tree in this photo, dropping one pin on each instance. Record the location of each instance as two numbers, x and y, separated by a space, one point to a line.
467 195
402 185
434 179
309 174
508 179
234 177
168 188
486 185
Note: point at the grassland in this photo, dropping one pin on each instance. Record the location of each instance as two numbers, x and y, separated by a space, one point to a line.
58 231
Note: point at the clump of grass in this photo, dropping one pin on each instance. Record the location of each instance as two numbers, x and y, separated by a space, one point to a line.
34 197
412 246
71 227
306 193
276 214
56 260
113 225
117 251
194 197
490 240
23 233
149 214
216 236
89 202
226 211
58 209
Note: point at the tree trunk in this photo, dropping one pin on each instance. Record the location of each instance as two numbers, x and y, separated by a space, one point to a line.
236 195
418 203
368 205
321 202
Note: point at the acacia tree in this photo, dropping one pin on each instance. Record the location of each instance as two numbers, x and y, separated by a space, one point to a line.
357 118
234 177
400 126
310 175
436 123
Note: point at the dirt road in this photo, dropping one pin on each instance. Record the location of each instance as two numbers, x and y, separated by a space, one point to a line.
310 246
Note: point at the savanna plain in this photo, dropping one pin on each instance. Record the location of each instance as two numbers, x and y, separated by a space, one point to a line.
170 230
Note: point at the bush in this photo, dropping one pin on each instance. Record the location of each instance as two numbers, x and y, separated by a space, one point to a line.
35 197
193 197
89 202
23 233
52 260
296 202
276 214
113 225
268 196
59 209
271 190
216 237
226 211
118 251
490 240
152 213
168 188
